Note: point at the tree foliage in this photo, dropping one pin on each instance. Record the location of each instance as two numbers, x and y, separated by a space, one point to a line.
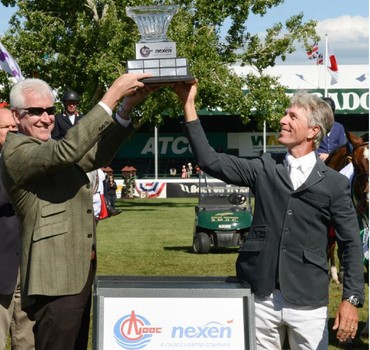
84 45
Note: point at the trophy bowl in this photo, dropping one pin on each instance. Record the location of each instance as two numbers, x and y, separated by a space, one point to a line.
152 21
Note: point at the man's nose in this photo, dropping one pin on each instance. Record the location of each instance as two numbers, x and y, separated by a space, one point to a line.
46 118
283 119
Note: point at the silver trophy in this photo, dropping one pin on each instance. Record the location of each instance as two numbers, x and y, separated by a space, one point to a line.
156 54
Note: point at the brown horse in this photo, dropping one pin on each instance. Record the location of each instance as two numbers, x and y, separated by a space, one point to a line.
358 154
360 181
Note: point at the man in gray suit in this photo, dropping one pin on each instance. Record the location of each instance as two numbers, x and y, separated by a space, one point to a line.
284 257
11 315
47 184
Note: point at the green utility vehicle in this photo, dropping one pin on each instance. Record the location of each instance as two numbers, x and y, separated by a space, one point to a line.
223 215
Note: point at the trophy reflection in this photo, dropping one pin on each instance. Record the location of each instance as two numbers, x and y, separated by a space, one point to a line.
155 53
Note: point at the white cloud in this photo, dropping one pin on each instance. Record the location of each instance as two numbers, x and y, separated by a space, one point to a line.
345 29
348 37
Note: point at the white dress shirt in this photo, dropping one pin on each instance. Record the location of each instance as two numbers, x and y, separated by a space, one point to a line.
300 168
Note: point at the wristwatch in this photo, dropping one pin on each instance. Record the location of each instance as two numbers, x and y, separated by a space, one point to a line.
355 301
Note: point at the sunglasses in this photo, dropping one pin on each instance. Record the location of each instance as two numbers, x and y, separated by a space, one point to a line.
39 111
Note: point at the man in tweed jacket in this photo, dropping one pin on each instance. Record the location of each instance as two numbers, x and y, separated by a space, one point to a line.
47 183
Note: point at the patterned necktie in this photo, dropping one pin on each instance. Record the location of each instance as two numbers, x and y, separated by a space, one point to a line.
296 173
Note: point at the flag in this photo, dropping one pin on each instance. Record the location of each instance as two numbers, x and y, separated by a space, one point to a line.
332 67
313 53
8 64
320 59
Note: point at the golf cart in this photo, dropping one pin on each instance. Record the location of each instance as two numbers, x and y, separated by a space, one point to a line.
223 215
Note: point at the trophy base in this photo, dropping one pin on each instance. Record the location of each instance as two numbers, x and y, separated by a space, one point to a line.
168 79
163 70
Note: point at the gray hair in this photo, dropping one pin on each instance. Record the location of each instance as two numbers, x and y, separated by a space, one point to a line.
23 89
318 113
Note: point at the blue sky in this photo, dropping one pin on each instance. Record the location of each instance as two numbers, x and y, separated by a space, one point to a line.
346 23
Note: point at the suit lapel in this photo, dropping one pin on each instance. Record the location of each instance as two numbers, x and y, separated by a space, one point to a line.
282 171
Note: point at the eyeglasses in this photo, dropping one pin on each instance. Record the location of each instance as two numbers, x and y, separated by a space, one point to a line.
39 111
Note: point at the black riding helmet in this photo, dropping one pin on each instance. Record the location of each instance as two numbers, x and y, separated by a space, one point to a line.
330 102
71 96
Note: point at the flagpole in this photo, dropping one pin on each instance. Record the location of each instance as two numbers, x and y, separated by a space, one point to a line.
326 65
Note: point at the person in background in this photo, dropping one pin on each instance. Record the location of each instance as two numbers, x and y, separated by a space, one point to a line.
11 315
335 138
70 115
184 172
97 178
297 197
47 184
110 188
189 170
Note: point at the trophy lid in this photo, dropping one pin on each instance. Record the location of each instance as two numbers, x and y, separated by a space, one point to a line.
152 21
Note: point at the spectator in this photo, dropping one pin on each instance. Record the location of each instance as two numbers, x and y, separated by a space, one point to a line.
110 188
47 183
11 316
284 257
70 115
97 179
189 170
184 172
335 138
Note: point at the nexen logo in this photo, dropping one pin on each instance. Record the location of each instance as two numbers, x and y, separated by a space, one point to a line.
165 50
210 330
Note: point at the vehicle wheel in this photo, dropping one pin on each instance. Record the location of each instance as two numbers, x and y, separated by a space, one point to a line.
201 243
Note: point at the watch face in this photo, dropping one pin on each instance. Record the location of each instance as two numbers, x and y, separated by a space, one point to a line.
354 300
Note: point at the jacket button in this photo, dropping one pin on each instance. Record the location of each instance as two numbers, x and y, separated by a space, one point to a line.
286 230
283 248
89 211
88 186
290 212
89 235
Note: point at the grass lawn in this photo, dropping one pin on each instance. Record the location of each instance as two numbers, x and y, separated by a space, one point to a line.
154 237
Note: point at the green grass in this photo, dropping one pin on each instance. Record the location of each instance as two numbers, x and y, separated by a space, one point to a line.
154 237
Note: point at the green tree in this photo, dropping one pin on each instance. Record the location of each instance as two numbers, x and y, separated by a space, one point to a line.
84 45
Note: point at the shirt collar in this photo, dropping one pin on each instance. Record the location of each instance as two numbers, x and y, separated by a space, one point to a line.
306 162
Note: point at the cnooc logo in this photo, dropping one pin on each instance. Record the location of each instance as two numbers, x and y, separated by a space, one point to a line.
134 331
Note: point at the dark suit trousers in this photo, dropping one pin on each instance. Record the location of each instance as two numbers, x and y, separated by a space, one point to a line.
62 322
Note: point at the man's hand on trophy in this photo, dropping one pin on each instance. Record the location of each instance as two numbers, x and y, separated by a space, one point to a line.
125 85
186 90
133 99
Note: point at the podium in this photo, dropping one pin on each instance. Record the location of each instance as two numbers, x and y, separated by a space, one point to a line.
172 312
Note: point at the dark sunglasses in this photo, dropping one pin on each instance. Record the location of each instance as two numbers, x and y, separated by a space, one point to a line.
39 111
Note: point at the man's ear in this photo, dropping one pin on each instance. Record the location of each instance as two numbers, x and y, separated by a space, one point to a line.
16 116
313 131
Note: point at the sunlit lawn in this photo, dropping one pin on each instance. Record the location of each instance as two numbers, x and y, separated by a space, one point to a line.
153 237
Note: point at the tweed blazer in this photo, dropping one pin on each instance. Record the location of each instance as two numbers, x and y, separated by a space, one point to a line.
288 240
9 244
52 196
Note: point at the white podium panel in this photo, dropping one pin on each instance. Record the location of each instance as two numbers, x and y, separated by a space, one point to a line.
167 313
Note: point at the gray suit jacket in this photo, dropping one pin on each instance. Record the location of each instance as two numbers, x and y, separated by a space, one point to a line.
288 240
48 186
